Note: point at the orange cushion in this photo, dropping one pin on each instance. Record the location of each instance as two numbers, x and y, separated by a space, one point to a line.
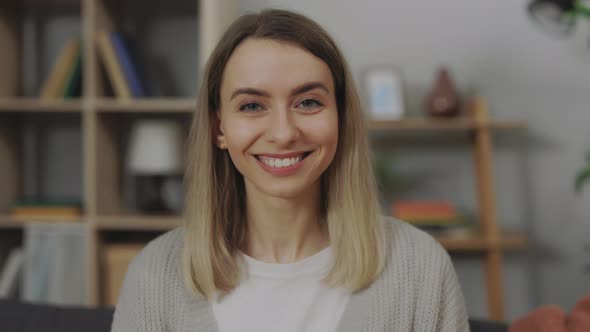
548 318
579 319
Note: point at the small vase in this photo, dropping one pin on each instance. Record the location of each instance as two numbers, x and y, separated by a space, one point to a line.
442 101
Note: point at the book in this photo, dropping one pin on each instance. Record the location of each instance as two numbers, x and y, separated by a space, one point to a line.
29 202
55 84
46 214
455 231
426 212
430 207
129 68
72 87
46 210
10 273
112 65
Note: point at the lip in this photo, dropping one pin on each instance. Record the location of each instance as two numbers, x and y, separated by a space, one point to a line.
282 171
283 155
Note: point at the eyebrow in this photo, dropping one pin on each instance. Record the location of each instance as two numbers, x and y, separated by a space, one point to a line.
298 90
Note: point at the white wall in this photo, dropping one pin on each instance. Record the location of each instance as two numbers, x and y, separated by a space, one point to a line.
491 47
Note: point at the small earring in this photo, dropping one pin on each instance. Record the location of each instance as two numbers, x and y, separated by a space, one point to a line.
221 144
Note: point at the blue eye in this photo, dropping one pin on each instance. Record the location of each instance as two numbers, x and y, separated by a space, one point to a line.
310 103
250 107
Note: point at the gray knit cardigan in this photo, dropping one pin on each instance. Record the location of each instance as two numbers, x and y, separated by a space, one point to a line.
417 291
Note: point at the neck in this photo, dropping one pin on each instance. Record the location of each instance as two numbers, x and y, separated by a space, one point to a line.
284 230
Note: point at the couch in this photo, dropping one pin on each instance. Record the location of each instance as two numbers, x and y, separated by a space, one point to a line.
26 317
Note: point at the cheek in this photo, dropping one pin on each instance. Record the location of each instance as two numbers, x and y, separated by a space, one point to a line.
239 133
325 130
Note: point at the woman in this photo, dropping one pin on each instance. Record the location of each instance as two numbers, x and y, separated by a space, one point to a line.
282 229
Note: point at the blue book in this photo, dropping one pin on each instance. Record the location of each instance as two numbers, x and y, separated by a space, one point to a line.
129 70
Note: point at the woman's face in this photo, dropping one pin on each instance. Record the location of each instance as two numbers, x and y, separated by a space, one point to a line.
278 117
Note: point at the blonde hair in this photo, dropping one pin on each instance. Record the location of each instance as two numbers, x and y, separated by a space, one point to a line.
215 209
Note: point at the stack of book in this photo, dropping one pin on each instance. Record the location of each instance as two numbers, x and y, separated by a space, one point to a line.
46 210
121 71
65 78
439 217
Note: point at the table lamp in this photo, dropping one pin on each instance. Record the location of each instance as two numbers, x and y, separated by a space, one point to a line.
155 151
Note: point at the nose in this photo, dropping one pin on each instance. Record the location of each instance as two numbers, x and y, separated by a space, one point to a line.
282 128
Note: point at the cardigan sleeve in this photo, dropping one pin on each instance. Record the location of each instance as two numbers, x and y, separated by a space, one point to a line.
139 307
452 313
126 316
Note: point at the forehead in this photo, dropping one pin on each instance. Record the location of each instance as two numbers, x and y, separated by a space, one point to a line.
272 65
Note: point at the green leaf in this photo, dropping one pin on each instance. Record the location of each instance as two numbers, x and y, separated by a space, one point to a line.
581 178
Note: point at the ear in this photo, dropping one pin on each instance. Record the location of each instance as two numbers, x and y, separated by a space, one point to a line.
218 134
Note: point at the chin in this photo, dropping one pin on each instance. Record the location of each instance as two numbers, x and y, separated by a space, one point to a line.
286 190
284 193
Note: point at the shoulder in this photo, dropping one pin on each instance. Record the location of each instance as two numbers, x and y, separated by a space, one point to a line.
163 249
412 250
418 283
404 238
159 260
149 296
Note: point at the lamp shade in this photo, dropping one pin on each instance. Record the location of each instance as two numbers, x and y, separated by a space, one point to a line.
155 148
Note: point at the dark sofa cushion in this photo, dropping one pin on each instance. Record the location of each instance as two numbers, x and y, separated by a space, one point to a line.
477 325
26 317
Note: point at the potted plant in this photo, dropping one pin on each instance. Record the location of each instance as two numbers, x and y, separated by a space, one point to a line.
583 175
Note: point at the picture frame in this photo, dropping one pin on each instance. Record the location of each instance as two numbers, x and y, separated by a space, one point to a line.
384 92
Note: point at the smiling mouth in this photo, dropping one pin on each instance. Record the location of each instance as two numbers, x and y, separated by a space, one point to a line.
282 162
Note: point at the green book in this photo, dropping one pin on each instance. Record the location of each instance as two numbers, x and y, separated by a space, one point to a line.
75 75
46 202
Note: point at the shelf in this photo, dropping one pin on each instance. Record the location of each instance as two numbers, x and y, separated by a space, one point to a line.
443 124
33 104
7 222
147 105
511 241
137 223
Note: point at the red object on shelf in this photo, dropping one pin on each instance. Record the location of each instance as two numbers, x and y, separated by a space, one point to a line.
428 207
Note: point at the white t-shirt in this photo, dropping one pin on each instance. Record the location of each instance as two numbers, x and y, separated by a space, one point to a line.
283 297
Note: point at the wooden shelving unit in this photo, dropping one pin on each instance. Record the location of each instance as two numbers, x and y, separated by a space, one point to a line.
7 222
460 124
147 105
475 243
103 118
131 223
479 243
14 105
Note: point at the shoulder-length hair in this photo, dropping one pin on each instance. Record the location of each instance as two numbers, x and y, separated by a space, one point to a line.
214 213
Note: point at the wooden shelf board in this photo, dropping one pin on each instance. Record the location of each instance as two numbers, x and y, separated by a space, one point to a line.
509 241
137 223
28 104
417 123
146 105
9 222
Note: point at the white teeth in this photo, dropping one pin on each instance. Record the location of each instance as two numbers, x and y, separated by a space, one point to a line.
278 163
